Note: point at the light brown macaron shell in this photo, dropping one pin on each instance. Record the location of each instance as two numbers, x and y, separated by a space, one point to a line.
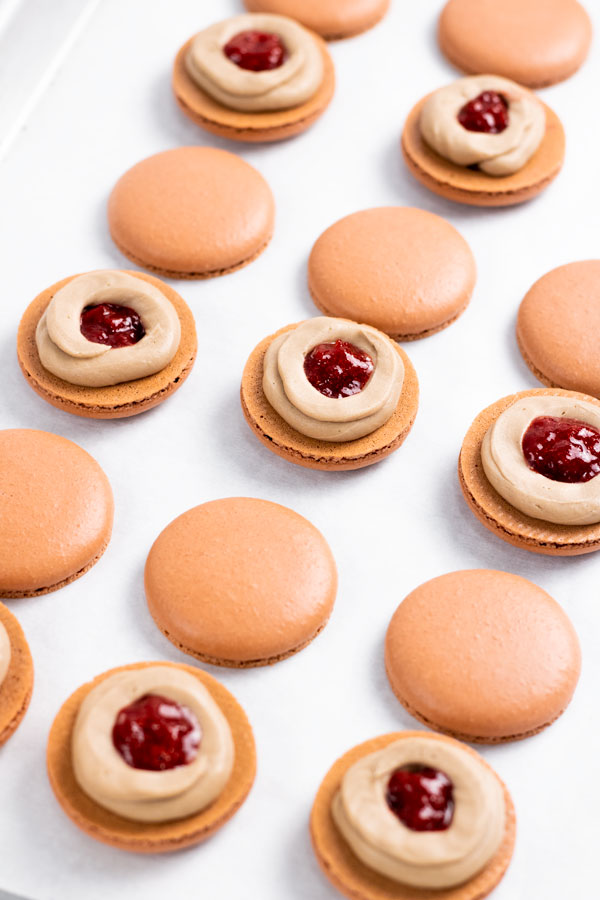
500 517
484 656
191 212
240 582
141 837
251 127
115 401
472 186
534 42
405 271
558 326
355 880
275 433
332 19
17 685
56 512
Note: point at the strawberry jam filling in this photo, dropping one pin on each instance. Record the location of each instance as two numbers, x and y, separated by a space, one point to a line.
562 449
421 797
108 323
257 51
338 369
488 112
156 733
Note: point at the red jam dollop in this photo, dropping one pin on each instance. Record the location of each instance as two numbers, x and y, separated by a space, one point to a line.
562 449
108 323
338 369
487 112
156 733
258 51
421 797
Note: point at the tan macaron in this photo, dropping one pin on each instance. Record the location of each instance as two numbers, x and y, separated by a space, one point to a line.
17 685
558 326
405 271
332 19
482 655
192 212
534 42
240 582
116 401
141 837
56 512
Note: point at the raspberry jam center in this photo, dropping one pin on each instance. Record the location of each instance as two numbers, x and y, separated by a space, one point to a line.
256 50
156 733
338 369
421 797
562 449
108 323
487 112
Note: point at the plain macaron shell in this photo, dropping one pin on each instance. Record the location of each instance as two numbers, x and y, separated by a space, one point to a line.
332 19
56 512
191 212
405 271
240 582
483 655
534 42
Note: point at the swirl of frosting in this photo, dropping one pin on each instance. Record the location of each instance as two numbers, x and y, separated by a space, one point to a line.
5 652
65 352
292 83
535 495
434 859
302 406
148 796
495 154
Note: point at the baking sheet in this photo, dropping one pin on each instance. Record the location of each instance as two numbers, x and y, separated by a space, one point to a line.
97 105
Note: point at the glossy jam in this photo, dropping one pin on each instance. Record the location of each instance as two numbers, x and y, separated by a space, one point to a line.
488 112
156 733
421 797
258 51
562 449
108 323
338 369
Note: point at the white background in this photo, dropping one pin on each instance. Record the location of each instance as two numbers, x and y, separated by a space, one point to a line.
84 94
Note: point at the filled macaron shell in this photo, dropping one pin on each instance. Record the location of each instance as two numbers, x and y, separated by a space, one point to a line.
483 655
17 685
332 19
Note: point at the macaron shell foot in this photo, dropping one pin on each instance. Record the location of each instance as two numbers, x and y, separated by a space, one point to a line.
17 686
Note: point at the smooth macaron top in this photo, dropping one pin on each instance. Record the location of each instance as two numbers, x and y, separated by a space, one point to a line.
329 18
405 271
56 510
558 326
482 654
535 42
194 211
240 581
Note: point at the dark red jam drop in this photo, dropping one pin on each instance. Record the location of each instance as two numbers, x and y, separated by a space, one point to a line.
338 369
256 50
108 323
487 112
156 733
562 449
421 797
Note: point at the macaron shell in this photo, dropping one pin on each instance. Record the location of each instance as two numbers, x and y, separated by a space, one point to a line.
332 19
558 326
482 655
404 271
119 400
328 456
139 837
17 685
240 582
534 42
474 187
191 212
499 516
355 880
250 127
56 512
